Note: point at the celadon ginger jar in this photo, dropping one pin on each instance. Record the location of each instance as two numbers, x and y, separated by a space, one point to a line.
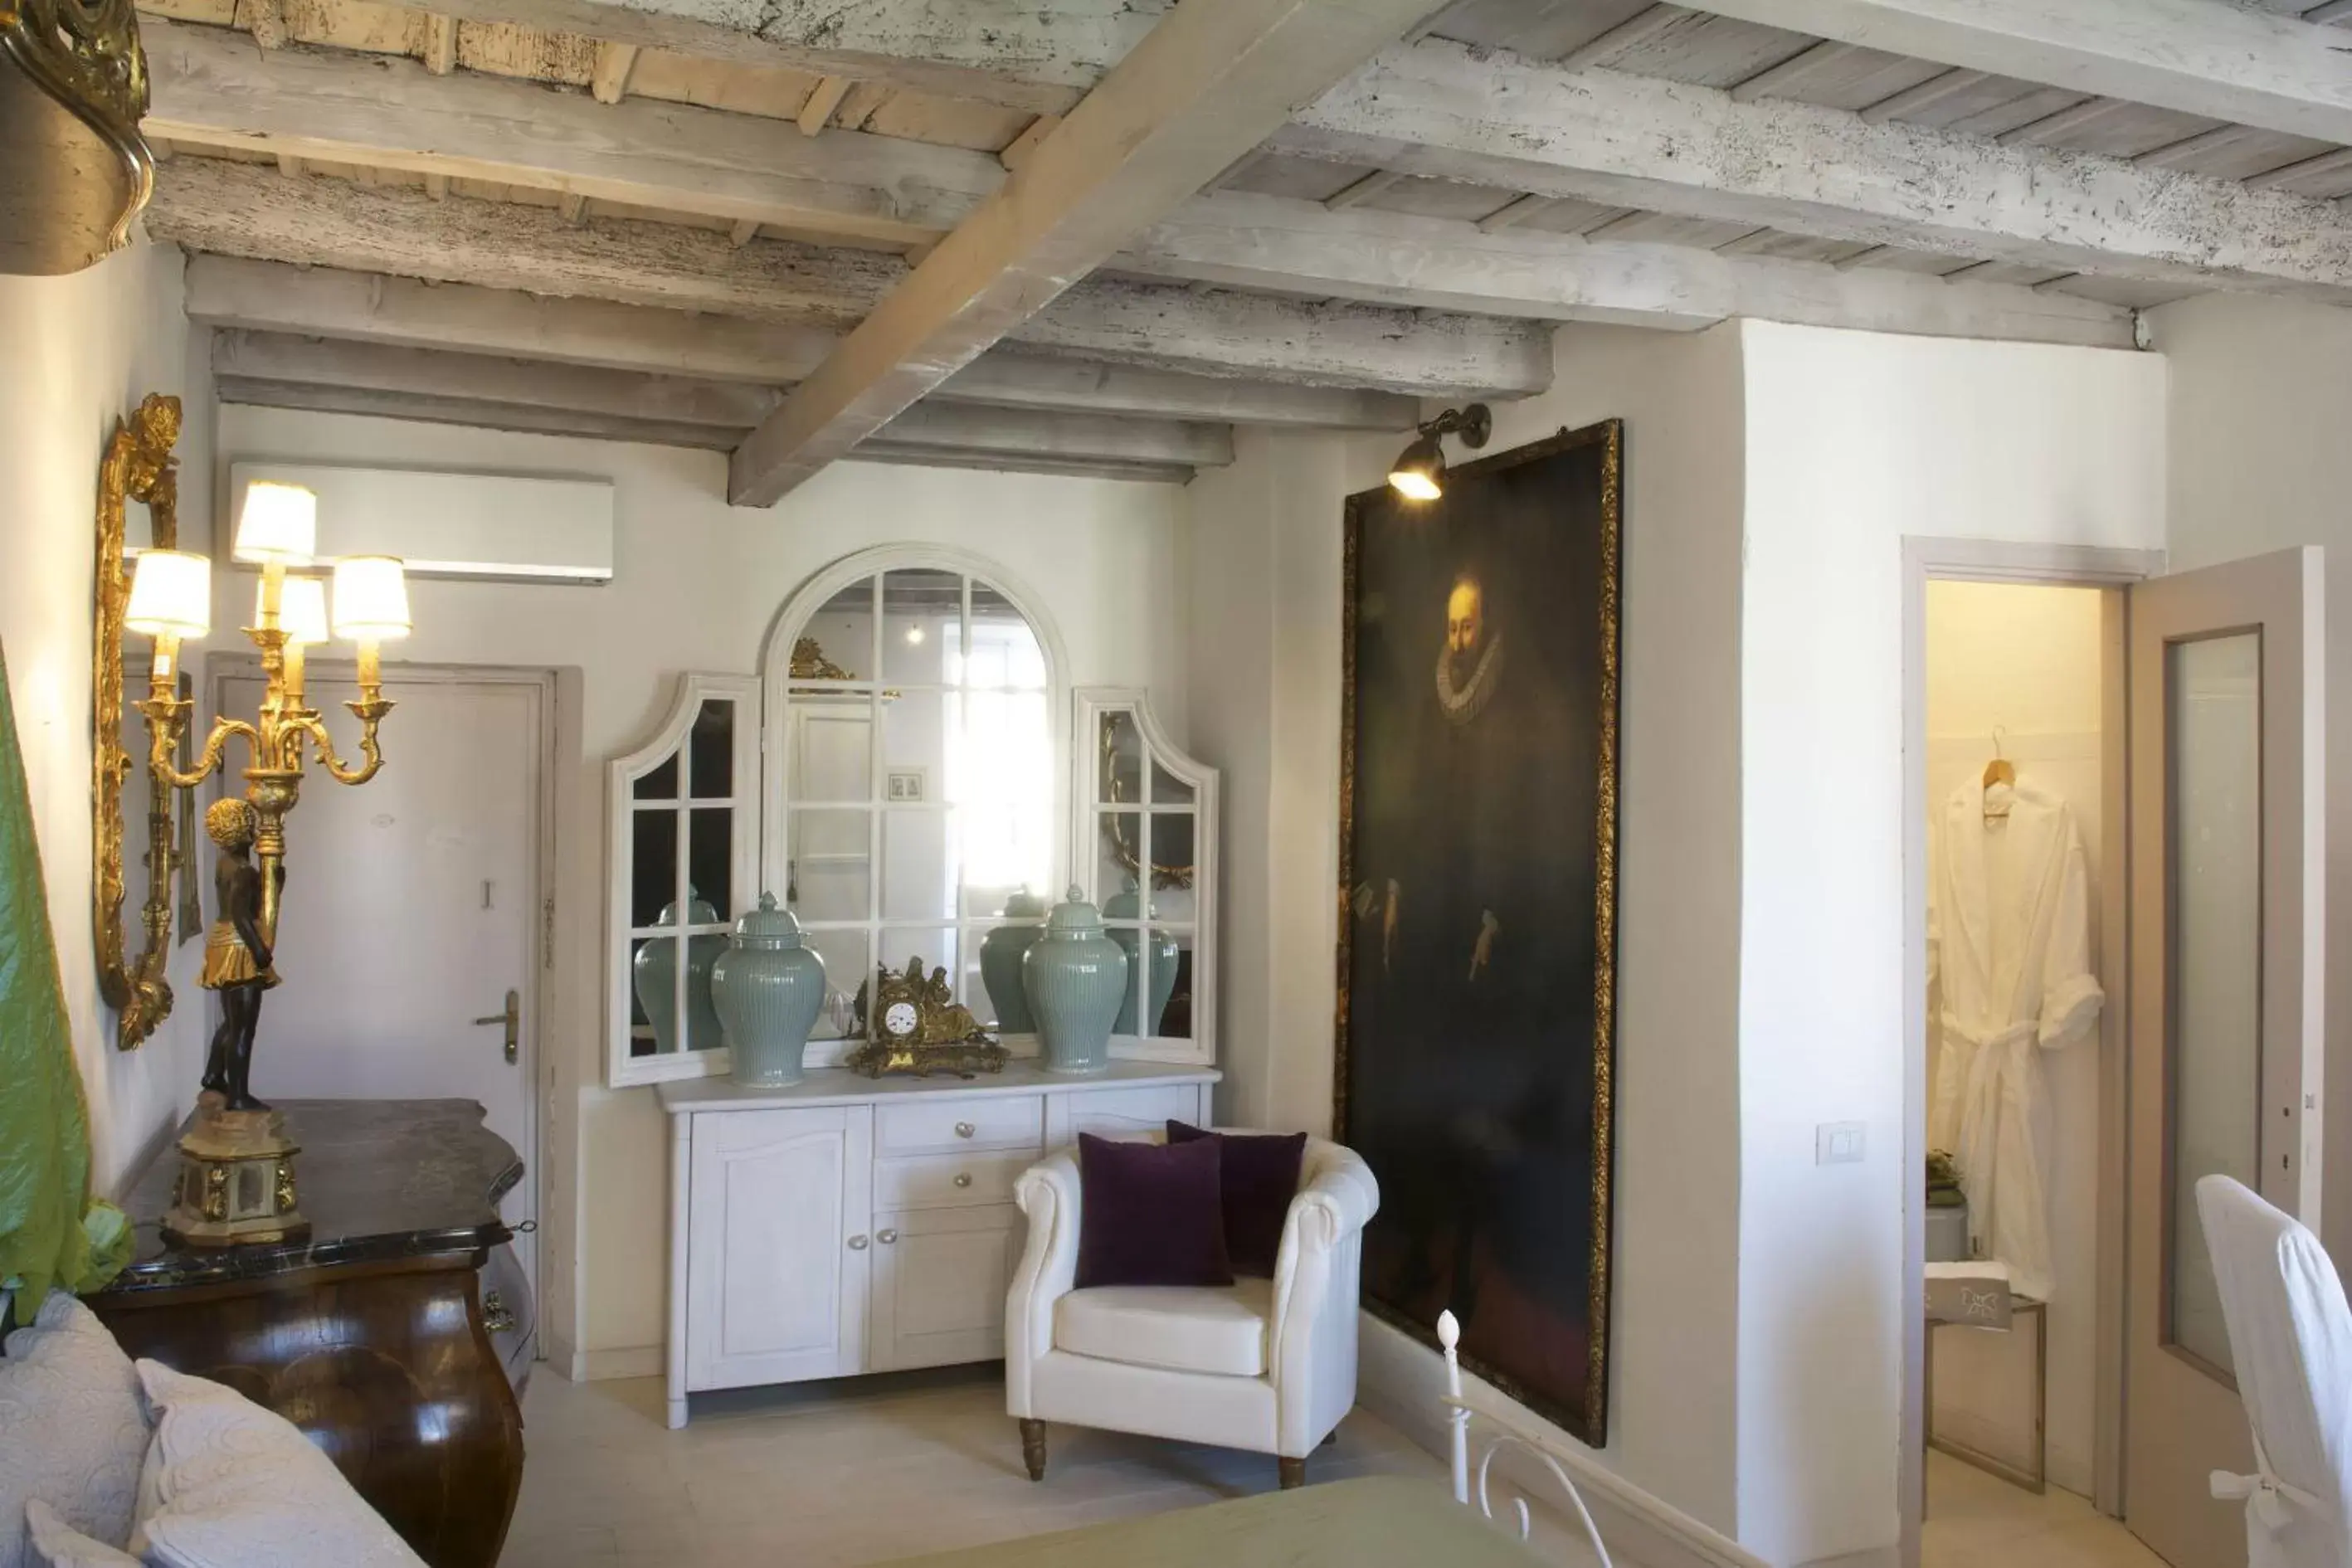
768 990
1076 977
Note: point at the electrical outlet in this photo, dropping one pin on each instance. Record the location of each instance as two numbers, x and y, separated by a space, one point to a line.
1840 1142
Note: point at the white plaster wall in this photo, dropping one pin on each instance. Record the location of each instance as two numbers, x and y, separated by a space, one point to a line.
1266 660
2027 657
76 354
2262 393
696 585
1856 440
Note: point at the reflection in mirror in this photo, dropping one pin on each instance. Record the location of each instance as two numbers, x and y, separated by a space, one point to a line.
1122 760
1117 841
830 749
653 865
922 625
849 965
1176 1013
644 1040
935 945
1168 790
920 876
659 784
829 854
1005 651
712 752
837 643
710 846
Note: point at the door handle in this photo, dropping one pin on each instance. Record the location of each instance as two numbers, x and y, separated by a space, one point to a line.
513 1019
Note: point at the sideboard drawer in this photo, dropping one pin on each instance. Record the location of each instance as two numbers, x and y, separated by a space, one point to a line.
927 1126
949 1181
1126 1113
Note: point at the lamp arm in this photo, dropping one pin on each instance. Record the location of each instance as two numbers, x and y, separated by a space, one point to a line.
166 717
371 713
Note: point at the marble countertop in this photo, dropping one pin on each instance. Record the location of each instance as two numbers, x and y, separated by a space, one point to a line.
380 1179
839 1086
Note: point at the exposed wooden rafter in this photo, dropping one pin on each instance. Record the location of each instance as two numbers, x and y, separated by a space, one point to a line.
234 209
1442 111
210 90
1273 242
274 298
2198 56
1202 88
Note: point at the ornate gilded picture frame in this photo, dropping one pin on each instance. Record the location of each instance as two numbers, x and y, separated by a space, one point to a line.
1475 1031
138 467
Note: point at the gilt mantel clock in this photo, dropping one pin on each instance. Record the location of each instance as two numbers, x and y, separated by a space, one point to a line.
915 1026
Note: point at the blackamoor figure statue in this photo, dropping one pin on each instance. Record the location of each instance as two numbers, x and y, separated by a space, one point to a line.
237 956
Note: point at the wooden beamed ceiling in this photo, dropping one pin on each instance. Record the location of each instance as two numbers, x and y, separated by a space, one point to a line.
1091 235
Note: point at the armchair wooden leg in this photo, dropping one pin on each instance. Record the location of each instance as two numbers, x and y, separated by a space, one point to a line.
1033 1448
1294 1474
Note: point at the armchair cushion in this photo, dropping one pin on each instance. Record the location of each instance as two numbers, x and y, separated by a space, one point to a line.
1219 1331
1258 1177
1153 1215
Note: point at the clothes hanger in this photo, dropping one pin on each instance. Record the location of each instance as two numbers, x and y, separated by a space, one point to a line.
2000 771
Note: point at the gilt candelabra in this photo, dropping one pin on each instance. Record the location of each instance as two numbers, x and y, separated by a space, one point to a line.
236 1166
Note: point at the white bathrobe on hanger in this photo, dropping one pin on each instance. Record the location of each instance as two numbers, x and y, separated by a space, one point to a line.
2009 942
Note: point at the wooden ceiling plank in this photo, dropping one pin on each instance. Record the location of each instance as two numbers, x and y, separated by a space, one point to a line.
2050 128
1438 109
823 100
1638 28
212 205
2220 61
610 81
1205 85
1789 73
1036 55
207 90
1927 95
481 412
440 43
1243 240
1089 438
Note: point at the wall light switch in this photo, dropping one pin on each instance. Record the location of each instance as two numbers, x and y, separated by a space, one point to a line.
1838 1143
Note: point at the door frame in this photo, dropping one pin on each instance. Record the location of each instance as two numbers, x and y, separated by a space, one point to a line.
2050 565
537 1066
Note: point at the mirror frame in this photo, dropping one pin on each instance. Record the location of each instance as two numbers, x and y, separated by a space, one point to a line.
138 466
776 683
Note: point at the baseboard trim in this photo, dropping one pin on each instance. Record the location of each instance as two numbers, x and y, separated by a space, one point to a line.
1401 1382
630 1360
1876 1557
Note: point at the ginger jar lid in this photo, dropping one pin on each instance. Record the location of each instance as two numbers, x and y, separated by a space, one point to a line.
1073 917
697 911
768 926
1024 905
1126 905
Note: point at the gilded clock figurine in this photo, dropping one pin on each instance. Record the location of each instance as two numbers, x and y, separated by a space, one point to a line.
917 1026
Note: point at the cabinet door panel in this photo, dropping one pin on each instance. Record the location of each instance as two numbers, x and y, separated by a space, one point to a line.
939 1284
777 1261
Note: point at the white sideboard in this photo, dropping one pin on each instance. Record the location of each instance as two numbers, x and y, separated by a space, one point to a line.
847 1225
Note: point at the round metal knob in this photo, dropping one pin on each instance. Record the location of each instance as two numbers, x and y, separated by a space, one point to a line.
964 1130
885 1237
856 1244
962 1180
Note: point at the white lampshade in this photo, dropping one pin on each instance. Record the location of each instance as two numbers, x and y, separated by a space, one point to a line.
301 609
171 595
370 598
279 523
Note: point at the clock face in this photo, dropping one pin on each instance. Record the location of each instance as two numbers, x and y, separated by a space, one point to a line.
898 1019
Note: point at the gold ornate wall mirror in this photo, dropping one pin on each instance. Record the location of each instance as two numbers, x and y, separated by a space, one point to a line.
139 470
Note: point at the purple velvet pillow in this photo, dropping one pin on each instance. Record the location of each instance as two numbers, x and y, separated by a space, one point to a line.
1150 1213
1260 1178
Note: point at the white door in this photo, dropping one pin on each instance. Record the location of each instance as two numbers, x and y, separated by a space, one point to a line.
778 1248
412 910
2226 796
939 1279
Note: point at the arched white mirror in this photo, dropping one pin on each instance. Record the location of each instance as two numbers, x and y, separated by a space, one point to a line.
914 753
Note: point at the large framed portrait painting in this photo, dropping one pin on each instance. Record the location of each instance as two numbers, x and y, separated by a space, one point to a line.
1478 888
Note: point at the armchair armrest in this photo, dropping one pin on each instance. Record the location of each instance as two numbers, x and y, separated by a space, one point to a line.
1047 1194
1312 1343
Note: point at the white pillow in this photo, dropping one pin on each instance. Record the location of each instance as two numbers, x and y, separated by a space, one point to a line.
66 1379
59 1545
230 1485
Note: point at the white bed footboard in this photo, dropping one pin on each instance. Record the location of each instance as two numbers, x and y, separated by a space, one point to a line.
1457 1416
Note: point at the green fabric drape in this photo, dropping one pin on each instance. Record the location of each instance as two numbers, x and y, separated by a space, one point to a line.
51 1232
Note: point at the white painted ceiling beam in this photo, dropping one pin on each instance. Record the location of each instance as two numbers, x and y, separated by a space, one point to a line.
1255 241
1494 119
1202 88
211 88
274 298
212 205
2206 57
1040 55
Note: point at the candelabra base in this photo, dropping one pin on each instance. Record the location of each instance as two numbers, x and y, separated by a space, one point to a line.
237 1180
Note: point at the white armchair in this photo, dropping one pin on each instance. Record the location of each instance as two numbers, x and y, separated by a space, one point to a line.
1267 1365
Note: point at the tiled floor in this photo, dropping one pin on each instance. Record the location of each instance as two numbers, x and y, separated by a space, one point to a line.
850 1473
1974 1519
